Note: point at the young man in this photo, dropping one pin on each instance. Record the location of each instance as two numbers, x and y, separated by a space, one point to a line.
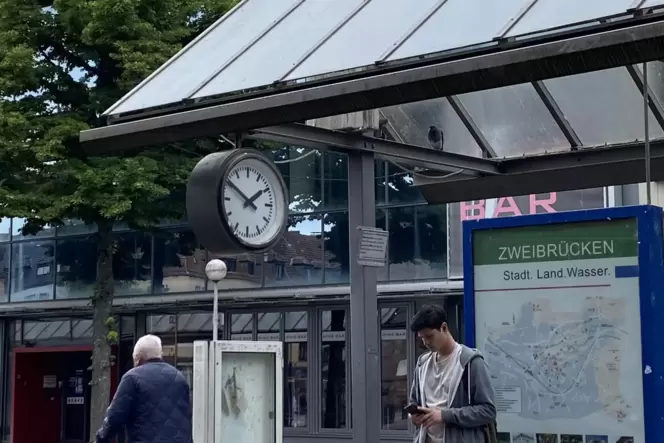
451 386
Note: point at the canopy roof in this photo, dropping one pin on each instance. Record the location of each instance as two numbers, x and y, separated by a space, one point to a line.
272 43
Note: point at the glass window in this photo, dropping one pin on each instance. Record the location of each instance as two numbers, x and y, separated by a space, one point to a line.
5 229
35 332
242 326
394 368
74 227
132 263
514 120
81 329
164 326
296 370
333 369
245 271
33 272
301 170
4 272
400 186
17 230
335 180
337 258
380 175
603 106
192 326
269 326
76 267
410 124
297 258
418 242
179 262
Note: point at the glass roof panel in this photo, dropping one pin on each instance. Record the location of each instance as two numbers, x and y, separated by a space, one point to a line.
364 39
449 27
651 3
546 14
514 120
218 45
411 122
655 79
242 323
603 106
269 321
282 47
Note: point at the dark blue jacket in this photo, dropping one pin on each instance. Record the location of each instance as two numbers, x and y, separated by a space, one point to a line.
152 401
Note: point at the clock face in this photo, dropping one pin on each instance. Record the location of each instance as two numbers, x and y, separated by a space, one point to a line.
253 202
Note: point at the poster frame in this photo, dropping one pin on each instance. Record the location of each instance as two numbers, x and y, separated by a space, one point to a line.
651 289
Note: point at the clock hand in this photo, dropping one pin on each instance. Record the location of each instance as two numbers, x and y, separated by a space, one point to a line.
252 199
242 194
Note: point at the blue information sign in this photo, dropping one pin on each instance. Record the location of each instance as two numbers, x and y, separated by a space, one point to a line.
567 310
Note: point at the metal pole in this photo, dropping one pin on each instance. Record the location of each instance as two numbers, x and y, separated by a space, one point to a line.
215 312
364 323
646 117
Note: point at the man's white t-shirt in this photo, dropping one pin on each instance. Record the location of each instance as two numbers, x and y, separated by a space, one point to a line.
442 375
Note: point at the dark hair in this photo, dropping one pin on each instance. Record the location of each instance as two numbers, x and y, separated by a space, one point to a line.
428 317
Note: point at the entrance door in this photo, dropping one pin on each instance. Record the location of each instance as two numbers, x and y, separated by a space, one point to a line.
75 398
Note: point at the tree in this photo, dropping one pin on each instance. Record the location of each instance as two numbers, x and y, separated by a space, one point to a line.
62 63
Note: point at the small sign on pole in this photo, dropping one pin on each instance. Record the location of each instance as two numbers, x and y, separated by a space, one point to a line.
373 246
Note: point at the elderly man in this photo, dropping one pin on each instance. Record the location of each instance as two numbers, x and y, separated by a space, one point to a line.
152 400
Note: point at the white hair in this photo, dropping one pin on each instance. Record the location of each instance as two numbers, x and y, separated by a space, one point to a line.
148 347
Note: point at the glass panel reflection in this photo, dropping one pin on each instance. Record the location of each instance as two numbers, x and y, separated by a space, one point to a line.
17 230
74 227
5 229
76 265
57 330
164 326
394 368
297 258
192 326
242 327
4 272
296 369
179 262
244 271
33 272
301 170
514 120
603 106
335 180
269 326
132 263
333 368
417 242
337 258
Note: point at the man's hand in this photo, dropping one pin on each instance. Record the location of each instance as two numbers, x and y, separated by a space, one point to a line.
430 417
416 419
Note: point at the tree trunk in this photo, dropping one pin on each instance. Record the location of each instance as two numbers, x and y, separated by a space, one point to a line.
102 325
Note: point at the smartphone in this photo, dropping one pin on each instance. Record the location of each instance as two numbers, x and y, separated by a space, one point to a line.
412 409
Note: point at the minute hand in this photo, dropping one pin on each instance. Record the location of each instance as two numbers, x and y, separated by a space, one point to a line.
242 194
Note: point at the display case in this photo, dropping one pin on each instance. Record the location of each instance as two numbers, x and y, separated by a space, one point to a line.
238 392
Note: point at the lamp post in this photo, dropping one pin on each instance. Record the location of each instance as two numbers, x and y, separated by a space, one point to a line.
215 271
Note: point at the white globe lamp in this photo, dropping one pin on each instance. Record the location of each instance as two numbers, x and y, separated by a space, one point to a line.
215 271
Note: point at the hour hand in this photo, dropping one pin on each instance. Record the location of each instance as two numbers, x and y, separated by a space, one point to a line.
242 194
250 201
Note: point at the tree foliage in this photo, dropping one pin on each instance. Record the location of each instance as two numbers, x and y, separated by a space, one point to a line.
62 63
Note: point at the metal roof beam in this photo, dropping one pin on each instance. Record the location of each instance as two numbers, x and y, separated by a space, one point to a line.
557 114
584 168
653 103
394 84
416 156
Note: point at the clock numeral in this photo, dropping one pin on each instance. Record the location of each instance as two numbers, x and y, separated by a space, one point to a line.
237 173
247 231
236 226
258 177
227 199
266 189
229 213
247 172
268 205
266 220
258 229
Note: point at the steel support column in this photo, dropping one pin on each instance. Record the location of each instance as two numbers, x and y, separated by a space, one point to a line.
364 324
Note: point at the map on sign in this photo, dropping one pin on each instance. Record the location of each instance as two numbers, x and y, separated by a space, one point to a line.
557 318
560 364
